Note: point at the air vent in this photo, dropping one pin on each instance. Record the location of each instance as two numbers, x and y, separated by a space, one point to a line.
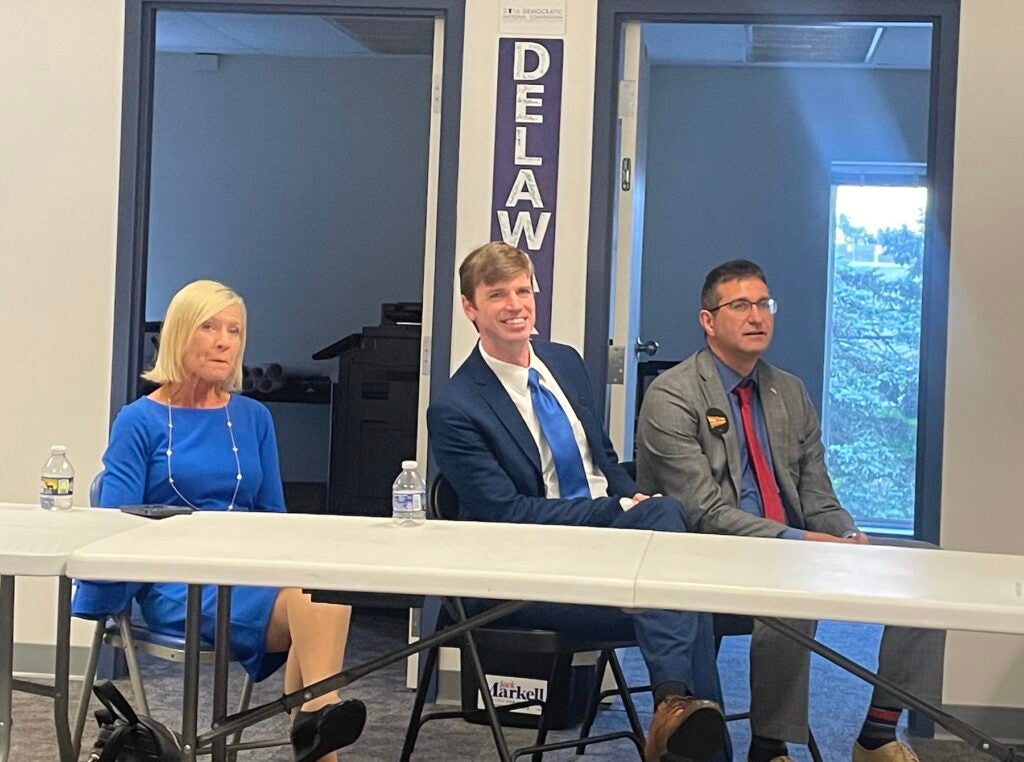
811 44
389 36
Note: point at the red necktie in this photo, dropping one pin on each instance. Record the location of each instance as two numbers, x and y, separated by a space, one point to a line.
770 500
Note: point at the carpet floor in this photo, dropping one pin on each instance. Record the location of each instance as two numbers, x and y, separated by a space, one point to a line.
838 703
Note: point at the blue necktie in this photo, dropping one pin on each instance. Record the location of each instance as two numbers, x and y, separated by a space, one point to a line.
572 480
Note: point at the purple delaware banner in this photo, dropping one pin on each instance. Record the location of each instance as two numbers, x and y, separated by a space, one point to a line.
525 192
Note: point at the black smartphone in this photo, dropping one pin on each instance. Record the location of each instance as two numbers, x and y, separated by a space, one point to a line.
157 511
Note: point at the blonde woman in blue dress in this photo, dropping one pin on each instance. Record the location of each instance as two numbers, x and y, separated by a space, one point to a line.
192 442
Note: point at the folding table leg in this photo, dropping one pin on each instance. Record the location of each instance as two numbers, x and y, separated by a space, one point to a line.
190 705
6 662
62 658
222 656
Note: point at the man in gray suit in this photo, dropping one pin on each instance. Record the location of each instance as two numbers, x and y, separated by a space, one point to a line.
737 441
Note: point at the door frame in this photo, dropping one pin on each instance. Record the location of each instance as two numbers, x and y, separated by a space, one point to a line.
627 255
136 148
944 15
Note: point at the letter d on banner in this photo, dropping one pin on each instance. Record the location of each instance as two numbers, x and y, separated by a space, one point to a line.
520 72
525 191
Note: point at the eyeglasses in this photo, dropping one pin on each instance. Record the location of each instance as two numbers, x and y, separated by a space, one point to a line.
742 306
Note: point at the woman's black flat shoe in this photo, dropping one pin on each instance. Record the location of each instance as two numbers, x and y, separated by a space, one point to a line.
332 727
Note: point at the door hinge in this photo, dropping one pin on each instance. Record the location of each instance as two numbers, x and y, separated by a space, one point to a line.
627 98
425 357
616 364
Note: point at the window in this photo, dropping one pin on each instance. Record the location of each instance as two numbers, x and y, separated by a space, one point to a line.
872 352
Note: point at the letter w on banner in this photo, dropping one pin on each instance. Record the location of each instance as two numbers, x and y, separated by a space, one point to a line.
525 191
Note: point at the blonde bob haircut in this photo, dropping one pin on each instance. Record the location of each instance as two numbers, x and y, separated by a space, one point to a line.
194 304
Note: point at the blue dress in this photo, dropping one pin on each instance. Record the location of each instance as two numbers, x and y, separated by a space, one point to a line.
203 464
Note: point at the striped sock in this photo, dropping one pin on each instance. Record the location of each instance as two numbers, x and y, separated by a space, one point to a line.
879 727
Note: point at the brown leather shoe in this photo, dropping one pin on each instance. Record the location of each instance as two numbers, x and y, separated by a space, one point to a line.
685 728
894 751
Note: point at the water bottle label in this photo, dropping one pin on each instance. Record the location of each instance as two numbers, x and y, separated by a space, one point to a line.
407 503
59 487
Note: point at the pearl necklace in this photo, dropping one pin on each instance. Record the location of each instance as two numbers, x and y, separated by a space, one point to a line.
170 451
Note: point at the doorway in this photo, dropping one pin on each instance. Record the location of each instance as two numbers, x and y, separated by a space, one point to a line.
733 127
293 152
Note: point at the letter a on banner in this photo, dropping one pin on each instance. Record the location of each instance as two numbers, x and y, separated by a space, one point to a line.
525 191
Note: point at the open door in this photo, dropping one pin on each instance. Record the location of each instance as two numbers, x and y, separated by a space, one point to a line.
429 258
429 241
624 325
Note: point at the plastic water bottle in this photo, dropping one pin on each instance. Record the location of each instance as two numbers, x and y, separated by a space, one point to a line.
57 481
409 497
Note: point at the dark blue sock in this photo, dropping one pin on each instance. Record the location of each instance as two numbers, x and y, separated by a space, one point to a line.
879 727
766 749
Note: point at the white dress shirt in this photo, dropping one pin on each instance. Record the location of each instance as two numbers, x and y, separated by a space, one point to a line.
514 378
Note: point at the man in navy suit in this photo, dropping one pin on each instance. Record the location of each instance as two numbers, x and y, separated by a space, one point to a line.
515 433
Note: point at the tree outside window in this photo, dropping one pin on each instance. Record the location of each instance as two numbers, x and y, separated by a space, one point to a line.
873 351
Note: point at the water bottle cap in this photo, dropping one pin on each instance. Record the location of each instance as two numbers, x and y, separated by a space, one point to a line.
408 465
58 449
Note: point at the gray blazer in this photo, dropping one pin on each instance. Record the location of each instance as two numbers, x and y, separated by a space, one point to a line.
679 455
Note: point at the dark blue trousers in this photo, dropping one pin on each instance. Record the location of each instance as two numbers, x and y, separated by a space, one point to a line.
678 646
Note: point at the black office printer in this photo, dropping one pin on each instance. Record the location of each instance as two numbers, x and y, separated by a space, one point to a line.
373 410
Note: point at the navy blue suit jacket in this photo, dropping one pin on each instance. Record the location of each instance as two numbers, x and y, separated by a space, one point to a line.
484 448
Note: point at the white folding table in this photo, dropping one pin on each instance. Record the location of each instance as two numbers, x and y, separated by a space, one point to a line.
610 567
515 561
365 555
910 587
37 543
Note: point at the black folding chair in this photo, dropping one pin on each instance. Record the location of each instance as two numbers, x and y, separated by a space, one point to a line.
495 645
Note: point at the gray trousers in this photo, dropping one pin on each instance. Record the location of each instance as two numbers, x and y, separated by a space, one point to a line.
910 657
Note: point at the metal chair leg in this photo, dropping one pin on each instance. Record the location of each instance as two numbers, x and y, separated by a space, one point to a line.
594 702
627 700
124 624
87 681
558 663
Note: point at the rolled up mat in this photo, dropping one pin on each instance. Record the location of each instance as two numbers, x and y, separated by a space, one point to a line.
265 385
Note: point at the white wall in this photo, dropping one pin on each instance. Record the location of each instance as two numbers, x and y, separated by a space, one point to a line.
60 99
981 499
60 87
